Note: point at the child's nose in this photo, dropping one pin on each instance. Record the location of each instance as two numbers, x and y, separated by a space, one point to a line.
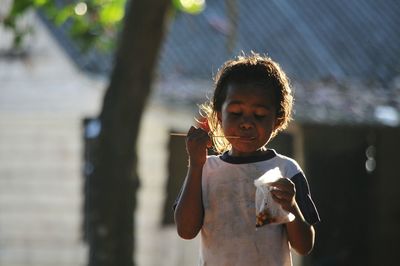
246 126
247 122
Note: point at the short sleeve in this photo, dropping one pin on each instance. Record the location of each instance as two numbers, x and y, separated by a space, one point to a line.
304 200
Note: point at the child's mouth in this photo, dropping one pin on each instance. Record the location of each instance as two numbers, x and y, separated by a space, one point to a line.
247 138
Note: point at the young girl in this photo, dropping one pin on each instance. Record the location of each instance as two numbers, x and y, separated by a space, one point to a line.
252 102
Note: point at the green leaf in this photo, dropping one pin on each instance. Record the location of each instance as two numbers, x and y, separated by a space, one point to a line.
111 14
19 7
190 6
39 3
62 15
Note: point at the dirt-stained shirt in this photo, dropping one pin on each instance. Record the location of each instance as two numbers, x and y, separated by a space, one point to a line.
229 235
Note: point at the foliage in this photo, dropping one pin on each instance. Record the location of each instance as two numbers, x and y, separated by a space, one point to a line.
91 23
189 6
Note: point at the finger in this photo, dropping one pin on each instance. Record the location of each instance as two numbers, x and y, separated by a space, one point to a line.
191 130
283 202
277 199
284 184
197 131
281 194
198 136
201 133
282 181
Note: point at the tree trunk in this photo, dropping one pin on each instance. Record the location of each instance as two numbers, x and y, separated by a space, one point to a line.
114 180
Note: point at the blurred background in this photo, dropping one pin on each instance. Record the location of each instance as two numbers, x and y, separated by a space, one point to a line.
59 66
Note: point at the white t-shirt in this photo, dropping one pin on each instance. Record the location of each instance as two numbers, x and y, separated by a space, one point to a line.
228 235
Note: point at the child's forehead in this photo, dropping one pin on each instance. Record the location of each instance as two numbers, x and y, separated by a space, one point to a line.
237 92
246 87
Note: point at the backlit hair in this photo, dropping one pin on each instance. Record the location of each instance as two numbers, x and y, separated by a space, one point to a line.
248 69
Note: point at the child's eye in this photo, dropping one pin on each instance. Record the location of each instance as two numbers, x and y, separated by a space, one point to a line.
235 113
261 112
259 116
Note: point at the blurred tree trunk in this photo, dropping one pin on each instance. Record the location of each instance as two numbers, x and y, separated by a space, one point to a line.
114 181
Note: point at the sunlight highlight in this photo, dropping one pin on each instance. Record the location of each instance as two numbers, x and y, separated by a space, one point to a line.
191 6
80 9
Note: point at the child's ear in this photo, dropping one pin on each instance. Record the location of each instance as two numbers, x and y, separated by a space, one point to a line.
219 117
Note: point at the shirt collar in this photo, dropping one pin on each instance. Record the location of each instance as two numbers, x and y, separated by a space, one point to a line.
248 159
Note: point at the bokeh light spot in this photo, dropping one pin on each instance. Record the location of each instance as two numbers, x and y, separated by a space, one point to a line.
190 6
80 9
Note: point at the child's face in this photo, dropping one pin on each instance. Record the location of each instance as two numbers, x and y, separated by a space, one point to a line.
249 112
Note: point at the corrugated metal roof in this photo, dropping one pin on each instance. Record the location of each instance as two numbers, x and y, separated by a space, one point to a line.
342 56
311 39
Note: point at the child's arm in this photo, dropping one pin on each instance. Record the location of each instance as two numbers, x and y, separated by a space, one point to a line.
300 234
189 210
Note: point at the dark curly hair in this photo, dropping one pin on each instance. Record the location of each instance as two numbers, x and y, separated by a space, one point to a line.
249 69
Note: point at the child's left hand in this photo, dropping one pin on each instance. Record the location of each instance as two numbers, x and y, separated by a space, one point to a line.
283 192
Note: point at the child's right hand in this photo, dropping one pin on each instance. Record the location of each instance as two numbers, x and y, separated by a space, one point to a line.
197 142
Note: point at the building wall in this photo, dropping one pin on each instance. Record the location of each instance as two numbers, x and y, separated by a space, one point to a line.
357 203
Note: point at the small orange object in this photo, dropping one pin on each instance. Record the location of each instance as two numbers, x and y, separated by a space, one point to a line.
264 218
202 123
